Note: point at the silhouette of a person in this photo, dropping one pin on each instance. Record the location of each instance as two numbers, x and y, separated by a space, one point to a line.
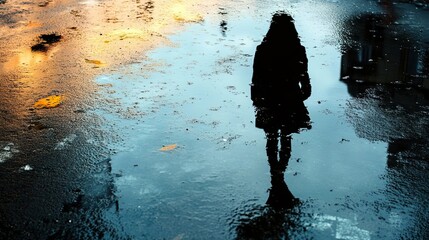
280 84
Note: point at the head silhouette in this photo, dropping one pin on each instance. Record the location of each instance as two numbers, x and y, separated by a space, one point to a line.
282 29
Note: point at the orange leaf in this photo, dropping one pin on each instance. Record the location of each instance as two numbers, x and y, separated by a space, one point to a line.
49 102
168 147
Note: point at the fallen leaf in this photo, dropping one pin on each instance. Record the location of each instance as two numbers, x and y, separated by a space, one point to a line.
130 33
49 102
94 61
168 147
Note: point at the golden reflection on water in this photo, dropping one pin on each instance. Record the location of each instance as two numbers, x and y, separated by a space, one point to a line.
27 67
124 28
103 28
110 33
184 12
24 60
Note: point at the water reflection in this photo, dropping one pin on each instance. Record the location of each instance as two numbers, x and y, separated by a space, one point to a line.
386 72
280 84
375 50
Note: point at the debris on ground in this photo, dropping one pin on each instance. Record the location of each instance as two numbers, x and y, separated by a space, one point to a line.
46 40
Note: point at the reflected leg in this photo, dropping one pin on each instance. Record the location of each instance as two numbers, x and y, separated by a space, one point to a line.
280 196
272 146
285 150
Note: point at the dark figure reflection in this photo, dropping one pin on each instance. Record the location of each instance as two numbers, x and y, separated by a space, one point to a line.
280 84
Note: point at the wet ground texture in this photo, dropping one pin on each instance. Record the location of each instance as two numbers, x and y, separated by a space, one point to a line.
133 120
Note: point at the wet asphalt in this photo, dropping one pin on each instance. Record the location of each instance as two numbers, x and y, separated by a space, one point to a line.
155 135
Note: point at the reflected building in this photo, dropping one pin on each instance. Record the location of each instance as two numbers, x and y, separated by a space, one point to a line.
385 69
375 52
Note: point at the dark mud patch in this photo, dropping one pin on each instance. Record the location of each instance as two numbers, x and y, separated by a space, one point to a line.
45 42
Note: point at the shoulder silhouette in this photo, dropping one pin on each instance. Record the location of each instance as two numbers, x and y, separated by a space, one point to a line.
280 82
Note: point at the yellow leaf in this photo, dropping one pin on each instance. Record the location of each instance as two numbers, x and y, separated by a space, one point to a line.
168 147
49 102
123 34
94 61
